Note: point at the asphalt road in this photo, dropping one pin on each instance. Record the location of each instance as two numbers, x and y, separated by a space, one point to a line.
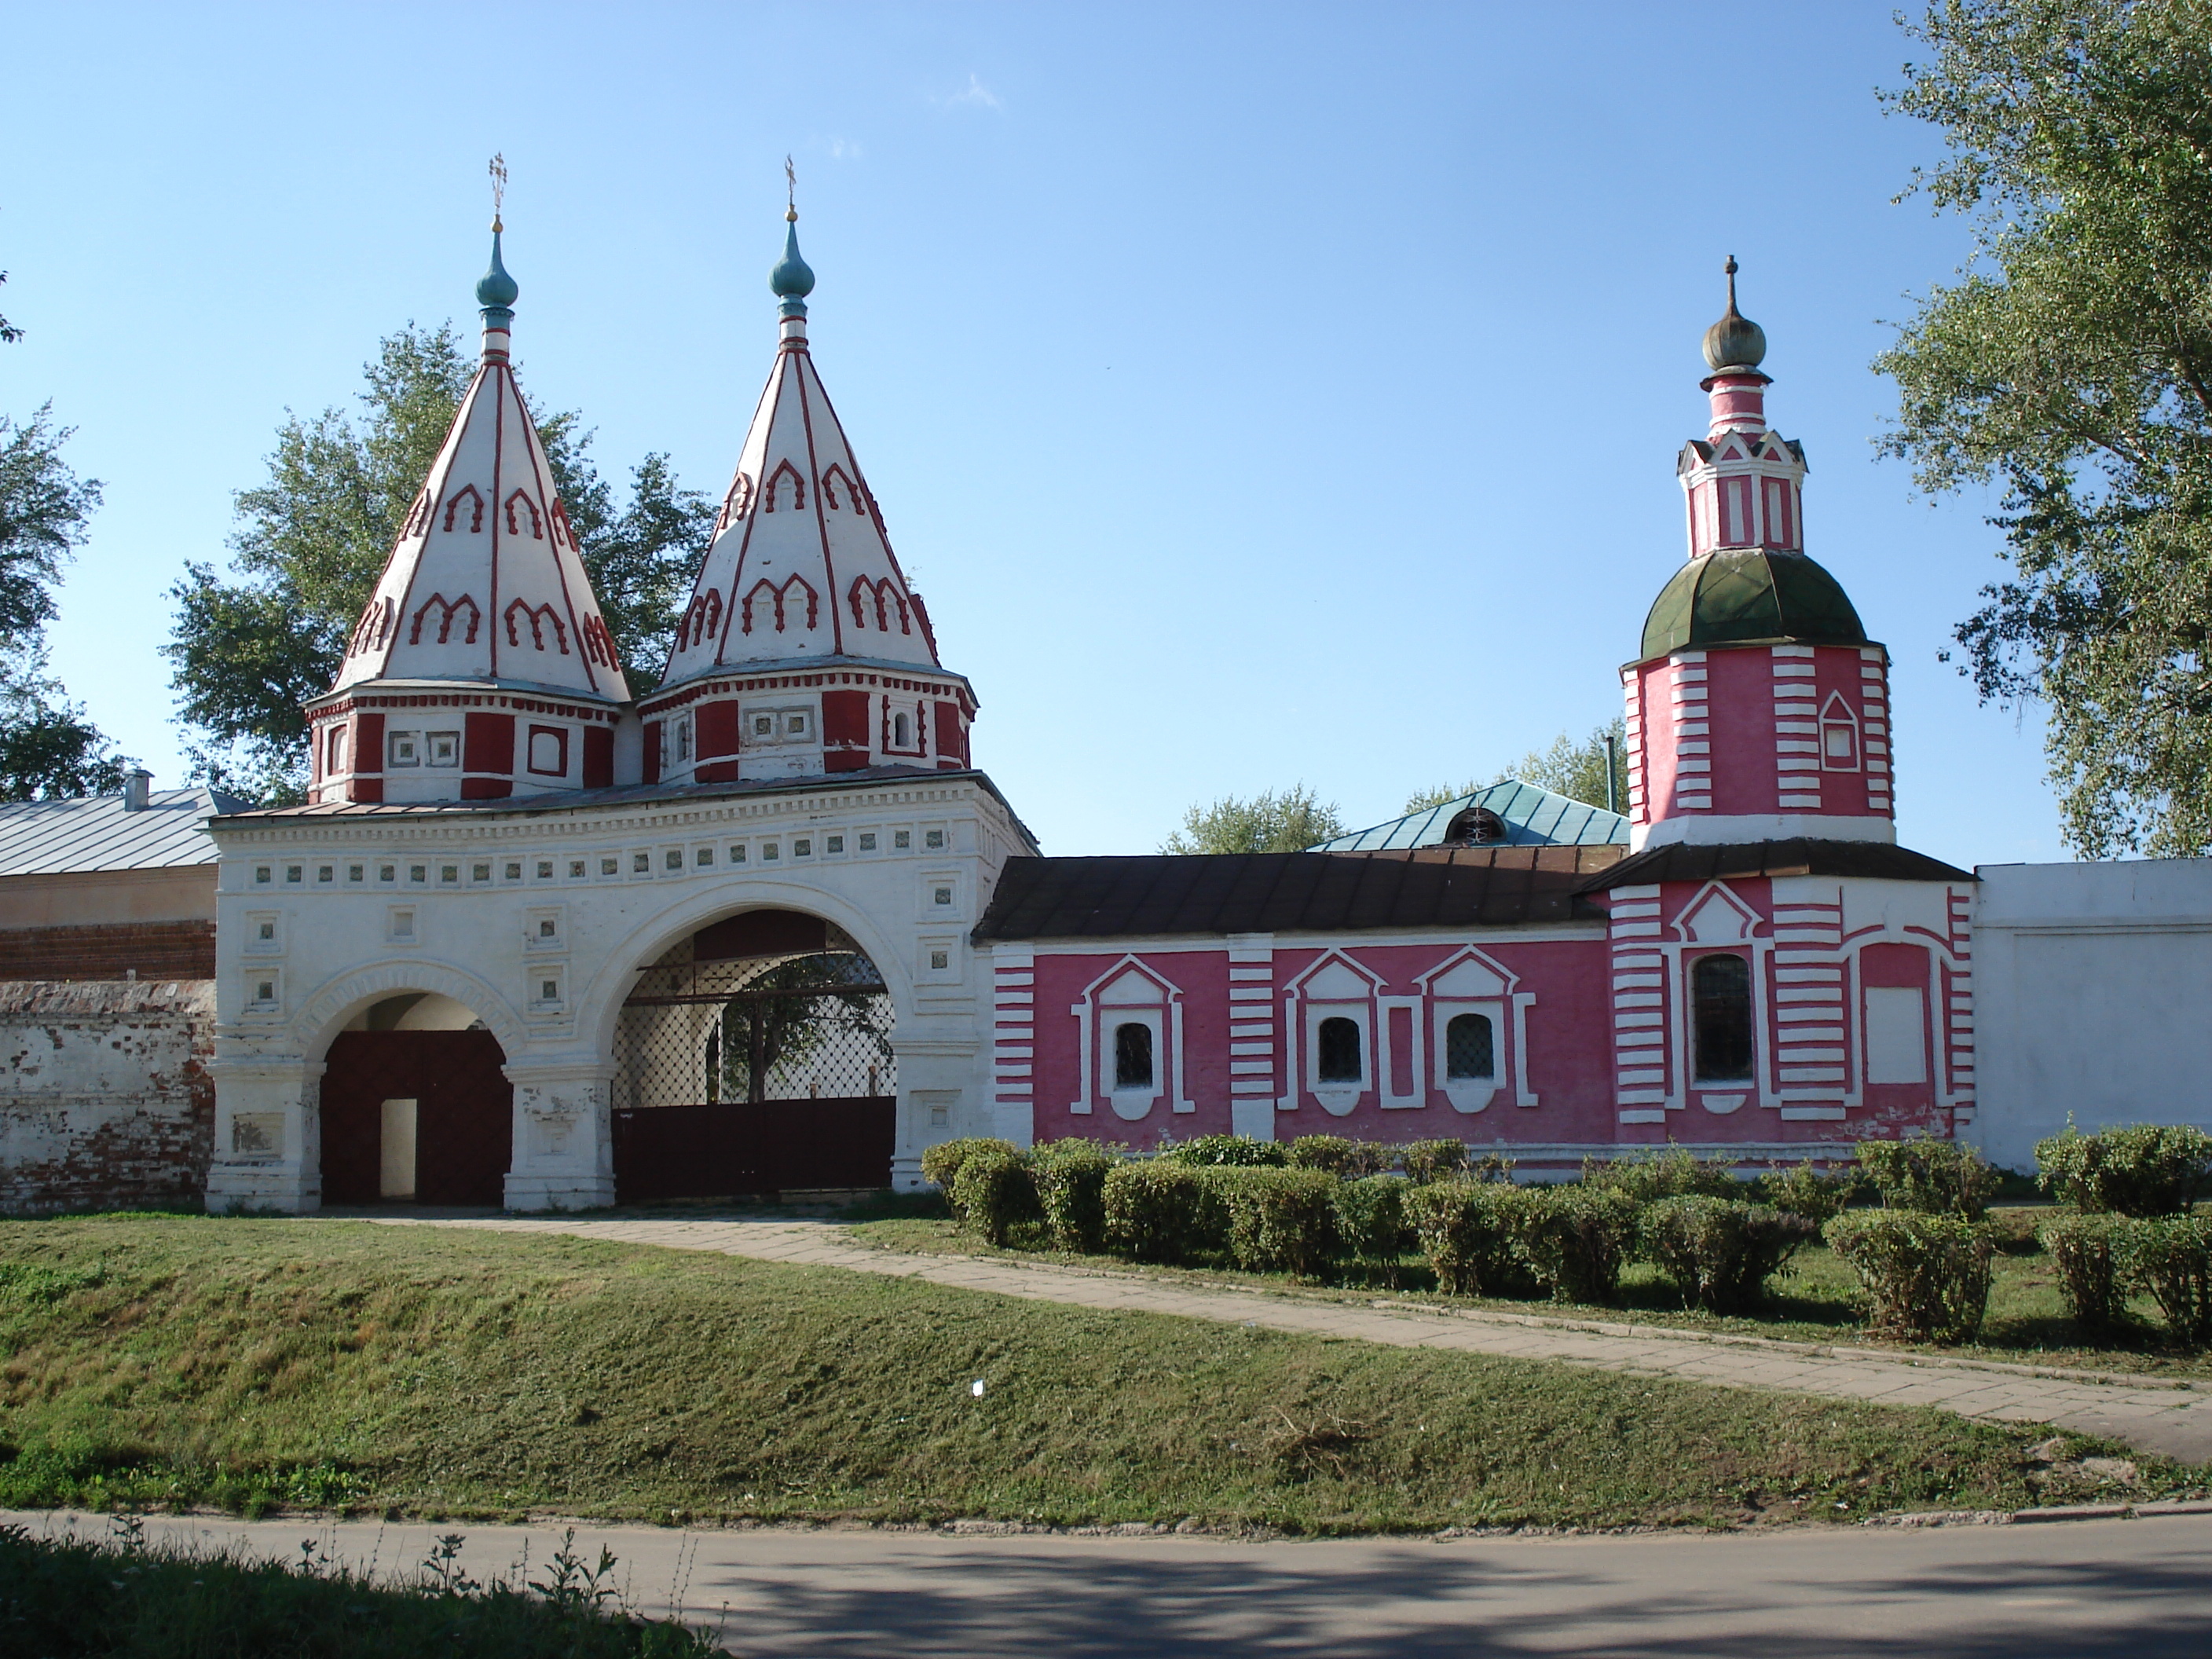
2141 1588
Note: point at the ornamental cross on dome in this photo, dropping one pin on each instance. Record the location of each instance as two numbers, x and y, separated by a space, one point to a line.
498 170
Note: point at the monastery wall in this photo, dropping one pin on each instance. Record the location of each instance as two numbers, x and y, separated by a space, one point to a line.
105 1100
2094 998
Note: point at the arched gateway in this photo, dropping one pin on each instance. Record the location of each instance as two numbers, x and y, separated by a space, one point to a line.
716 939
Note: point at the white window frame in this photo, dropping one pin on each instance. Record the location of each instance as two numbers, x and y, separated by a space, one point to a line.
1469 1095
1095 1018
403 749
434 742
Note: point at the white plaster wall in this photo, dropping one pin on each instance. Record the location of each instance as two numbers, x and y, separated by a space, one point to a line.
333 947
2094 995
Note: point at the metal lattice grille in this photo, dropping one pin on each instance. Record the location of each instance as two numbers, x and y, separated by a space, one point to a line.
791 1028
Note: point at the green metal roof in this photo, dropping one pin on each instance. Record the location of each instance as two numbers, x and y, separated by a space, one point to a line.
1750 596
1533 817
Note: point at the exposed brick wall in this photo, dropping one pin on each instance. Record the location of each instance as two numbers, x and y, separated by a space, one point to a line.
105 1098
154 949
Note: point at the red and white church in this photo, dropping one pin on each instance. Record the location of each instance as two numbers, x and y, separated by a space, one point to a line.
513 948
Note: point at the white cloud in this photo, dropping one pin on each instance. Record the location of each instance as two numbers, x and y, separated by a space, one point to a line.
845 149
974 92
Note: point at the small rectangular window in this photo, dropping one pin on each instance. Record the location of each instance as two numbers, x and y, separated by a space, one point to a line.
770 852
418 872
545 927
1720 999
609 867
1132 1056
867 840
548 990
513 870
405 748
938 959
445 748
325 872
261 875
803 847
268 930
480 872
737 855
902 839
266 990
577 869
387 873
354 873
449 875
546 869
932 838
705 856
836 844
292 874
942 896
640 862
1338 1058
673 858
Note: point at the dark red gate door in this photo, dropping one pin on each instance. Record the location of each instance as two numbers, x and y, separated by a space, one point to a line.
739 1149
463 1114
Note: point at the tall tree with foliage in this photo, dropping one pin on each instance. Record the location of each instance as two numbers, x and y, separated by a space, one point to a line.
48 747
1288 821
1575 770
248 648
2070 365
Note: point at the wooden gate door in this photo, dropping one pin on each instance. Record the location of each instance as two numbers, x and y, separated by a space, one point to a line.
464 1115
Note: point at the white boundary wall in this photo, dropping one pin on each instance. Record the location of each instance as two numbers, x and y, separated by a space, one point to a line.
2094 996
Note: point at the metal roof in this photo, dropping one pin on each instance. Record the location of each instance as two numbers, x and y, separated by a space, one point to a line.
1877 860
1533 817
1152 894
94 832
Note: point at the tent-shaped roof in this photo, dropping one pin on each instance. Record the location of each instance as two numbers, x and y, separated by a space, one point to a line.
1532 818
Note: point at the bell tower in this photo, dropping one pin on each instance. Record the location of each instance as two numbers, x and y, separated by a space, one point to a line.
1757 707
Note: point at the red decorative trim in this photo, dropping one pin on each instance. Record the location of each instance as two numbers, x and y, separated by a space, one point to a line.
486 788
853 501
921 616
702 620
418 516
779 595
447 609
735 503
537 616
537 524
467 492
784 470
530 747
598 758
373 628
598 643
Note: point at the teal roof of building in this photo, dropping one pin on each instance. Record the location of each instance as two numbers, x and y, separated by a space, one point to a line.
1532 817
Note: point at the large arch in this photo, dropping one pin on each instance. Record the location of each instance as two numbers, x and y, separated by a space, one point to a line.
411 1115
831 1123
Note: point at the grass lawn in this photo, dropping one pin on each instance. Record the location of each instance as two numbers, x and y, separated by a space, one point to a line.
248 1362
1816 1301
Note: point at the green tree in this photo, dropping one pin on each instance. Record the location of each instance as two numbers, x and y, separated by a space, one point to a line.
1289 821
1575 770
48 747
2069 365
249 647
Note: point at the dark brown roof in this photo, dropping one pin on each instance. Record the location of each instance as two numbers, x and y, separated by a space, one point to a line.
1802 857
1150 894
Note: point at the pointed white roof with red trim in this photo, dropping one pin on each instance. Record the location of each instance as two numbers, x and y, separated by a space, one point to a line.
801 568
486 584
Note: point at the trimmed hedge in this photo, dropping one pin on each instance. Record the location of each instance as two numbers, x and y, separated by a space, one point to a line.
1720 1252
2145 1169
1929 1176
1370 1220
1425 1161
941 1164
994 1192
1160 1210
1071 1188
1575 1239
2172 1257
1334 1154
1280 1221
1804 1190
1926 1276
2091 1255
1674 1173
1226 1152
1466 1229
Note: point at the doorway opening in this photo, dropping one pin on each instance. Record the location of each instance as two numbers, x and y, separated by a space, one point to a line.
415 1107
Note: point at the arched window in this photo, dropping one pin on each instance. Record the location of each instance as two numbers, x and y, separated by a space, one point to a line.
1475 826
1720 998
902 735
1338 1057
1470 1048
1132 1056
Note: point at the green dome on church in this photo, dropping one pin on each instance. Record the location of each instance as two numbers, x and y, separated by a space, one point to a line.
1750 596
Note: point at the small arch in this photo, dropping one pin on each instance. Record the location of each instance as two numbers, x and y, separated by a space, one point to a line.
1337 1057
836 475
1475 826
467 492
447 609
537 524
774 489
735 503
537 616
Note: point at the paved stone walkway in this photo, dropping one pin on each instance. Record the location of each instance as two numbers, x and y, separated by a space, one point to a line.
2172 1418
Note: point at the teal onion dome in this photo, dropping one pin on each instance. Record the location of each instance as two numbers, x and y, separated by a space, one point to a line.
496 287
792 279
1750 596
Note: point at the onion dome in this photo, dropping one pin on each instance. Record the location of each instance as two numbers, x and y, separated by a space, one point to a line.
496 287
1735 342
792 279
1750 596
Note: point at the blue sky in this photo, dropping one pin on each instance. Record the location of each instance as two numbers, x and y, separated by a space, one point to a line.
1259 393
